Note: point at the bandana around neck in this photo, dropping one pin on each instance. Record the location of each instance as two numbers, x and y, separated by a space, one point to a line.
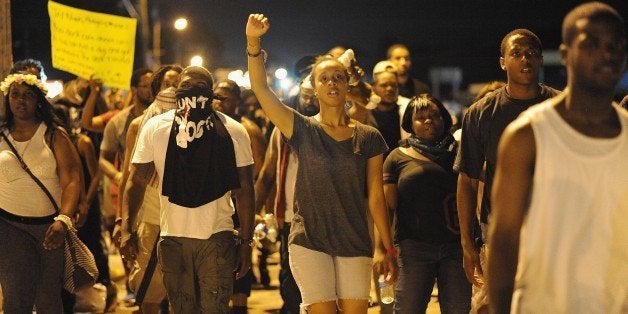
200 159
435 150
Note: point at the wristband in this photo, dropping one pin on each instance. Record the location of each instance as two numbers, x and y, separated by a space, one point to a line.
253 55
66 220
261 52
392 252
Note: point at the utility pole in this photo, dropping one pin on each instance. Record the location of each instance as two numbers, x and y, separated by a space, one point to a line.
6 47
145 22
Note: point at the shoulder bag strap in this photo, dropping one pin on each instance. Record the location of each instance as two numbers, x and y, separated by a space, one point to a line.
25 167
148 275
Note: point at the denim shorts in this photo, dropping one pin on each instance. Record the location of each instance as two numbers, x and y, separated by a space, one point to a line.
322 277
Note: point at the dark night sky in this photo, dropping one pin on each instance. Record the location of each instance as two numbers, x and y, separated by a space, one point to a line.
439 32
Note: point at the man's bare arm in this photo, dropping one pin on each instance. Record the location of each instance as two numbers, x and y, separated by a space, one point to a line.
131 136
266 179
509 197
245 199
466 198
258 144
88 120
139 177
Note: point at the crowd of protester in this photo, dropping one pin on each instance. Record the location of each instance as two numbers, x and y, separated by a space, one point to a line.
524 201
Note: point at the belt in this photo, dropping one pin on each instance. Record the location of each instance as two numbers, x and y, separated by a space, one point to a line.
27 220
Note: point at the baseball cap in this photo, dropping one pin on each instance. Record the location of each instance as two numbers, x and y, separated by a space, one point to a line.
384 66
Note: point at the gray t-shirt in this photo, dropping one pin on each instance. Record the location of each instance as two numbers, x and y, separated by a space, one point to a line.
329 208
114 136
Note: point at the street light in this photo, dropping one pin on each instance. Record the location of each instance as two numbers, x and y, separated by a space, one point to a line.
196 61
181 23
281 73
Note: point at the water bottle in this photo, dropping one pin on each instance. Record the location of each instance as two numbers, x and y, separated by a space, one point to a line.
386 290
271 226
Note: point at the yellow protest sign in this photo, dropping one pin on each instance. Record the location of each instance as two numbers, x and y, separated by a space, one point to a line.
86 43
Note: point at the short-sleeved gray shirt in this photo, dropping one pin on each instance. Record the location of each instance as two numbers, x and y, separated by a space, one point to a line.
329 208
114 136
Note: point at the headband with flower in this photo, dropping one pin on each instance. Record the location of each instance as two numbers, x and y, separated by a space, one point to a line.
19 78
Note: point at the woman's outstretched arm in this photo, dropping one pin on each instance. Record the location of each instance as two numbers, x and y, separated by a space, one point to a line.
282 116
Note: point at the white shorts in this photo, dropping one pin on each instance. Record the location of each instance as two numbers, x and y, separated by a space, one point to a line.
322 277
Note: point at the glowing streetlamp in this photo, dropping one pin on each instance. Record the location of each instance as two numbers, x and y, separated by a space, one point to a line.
281 73
196 61
181 24
235 75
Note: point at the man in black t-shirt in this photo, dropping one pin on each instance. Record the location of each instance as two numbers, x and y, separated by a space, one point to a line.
399 55
388 112
482 125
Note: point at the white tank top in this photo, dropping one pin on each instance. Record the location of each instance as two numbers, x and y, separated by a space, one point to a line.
20 195
573 254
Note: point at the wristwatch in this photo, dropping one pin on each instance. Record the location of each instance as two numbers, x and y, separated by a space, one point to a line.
249 241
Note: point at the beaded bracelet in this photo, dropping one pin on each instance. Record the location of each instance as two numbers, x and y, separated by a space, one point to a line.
66 220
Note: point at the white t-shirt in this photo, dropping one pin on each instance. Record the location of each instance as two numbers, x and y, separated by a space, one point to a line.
178 221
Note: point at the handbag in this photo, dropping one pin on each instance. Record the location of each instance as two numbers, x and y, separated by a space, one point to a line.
80 269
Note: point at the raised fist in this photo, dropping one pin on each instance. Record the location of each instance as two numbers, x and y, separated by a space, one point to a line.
257 25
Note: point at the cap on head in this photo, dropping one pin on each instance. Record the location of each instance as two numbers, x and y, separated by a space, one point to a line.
166 97
199 72
384 66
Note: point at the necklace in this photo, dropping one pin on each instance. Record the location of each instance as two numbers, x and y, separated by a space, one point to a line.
15 143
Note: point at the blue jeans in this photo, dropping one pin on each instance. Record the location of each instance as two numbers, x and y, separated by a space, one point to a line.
420 265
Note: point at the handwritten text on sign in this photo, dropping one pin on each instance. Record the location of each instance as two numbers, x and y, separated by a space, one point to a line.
86 43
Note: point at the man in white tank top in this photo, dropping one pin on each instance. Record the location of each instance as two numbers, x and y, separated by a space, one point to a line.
560 197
